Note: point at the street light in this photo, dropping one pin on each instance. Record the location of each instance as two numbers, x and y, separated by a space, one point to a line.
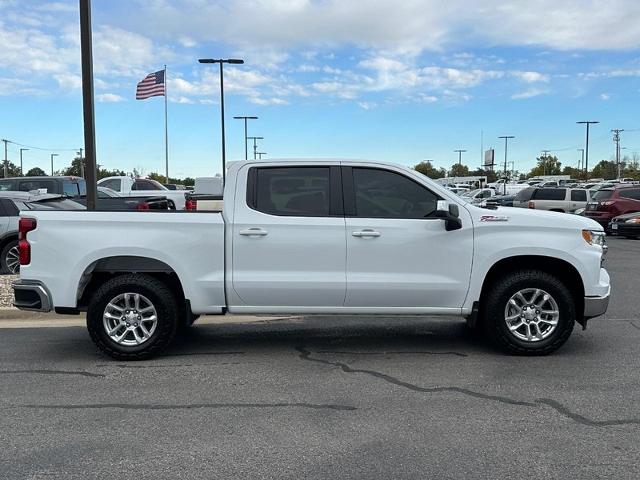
52 155
581 165
255 145
460 152
232 61
240 117
586 150
21 171
506 139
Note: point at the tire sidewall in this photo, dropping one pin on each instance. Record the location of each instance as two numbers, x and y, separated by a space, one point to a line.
3 259
165 310
497 325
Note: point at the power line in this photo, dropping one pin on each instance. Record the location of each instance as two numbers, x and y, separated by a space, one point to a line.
42 148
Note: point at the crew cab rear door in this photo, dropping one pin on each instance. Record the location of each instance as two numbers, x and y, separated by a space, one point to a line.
288 236
398 254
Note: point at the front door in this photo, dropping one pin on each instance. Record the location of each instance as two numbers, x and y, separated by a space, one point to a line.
289 244
398 254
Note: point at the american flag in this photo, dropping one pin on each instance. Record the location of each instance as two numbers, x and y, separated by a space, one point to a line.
151 86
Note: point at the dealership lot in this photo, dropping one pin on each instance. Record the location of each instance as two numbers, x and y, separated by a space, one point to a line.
325 397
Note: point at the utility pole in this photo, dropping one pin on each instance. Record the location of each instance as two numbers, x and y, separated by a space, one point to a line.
240 117
616 139
22 171
260 155
81 163
52 155
460 152
255 145
586 148
6 161
545 154
506 140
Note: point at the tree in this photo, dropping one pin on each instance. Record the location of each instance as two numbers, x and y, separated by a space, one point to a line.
103 173
547 165
12 169
36 172
481 172
459 170
573 172
605 169
76 169
427 169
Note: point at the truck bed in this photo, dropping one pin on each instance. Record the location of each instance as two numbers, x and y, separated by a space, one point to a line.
191 244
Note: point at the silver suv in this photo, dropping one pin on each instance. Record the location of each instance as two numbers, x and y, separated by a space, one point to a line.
557 199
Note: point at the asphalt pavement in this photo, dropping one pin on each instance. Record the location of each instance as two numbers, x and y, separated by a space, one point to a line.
326 397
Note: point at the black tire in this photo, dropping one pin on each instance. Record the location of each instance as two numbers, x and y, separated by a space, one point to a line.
162 299
5 261
493 312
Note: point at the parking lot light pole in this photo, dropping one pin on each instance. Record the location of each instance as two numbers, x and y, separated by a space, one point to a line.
586 147
506 140
240 117
255 145
220 61
460 152
22 171
52 155
581 159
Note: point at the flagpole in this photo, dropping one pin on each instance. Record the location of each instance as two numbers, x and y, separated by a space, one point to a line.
166 128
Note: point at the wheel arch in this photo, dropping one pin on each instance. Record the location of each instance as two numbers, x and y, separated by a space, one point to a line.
560 268
106 268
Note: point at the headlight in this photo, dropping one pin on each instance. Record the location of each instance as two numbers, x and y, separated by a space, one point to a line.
633 220
594 237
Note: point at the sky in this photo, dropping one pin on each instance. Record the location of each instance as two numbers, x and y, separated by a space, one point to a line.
398 81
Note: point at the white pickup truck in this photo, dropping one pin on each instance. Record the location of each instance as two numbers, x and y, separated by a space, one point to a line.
316 237
144 187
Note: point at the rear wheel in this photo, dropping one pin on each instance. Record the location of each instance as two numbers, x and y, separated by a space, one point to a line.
132 317
529 313
10 258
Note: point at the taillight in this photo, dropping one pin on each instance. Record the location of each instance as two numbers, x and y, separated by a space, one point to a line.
25 225
191 204
532 204
143 206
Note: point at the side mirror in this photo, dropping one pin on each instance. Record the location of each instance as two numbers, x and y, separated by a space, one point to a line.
449 213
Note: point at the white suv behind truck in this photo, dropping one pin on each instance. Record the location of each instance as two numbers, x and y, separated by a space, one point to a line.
316 237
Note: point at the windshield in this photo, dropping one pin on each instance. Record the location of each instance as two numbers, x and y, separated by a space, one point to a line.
471 193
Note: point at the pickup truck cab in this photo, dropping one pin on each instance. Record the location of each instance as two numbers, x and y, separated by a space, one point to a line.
144 187
316 237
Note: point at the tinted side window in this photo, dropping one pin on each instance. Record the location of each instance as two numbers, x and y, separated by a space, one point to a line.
602 195
28 185
113 184
633 193
550 194
144 185
386 194
578 195
7 185
524 195
293 191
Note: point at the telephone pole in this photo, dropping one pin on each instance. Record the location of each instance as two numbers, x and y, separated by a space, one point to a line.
21 171
616 139
460 152
255 145
581 165
6 161
586 147
545 154
245 118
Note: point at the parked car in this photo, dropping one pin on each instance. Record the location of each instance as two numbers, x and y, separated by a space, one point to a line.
611 202
559 199
326 237
110 200
61 185
498 201
479 194
627 225
143 187
522 198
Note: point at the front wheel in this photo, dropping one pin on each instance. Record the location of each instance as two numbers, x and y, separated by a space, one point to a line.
529 313
132 317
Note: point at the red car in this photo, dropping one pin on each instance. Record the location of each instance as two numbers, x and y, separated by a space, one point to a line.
611 202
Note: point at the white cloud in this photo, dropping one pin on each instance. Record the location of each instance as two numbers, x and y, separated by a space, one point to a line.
531 77
68 81
605 96
530 93
109 98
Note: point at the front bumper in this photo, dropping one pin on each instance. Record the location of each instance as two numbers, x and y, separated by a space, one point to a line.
595 306
31 295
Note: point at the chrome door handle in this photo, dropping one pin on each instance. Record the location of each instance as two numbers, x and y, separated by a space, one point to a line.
366 233
257 231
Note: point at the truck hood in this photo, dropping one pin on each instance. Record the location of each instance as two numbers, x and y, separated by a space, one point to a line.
531 218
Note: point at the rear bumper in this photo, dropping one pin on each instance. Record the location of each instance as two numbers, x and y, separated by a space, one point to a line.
31 295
